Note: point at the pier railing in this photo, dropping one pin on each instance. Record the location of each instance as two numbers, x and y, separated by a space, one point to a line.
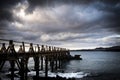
10 48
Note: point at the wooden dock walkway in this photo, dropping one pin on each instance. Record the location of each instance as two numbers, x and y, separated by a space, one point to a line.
18 53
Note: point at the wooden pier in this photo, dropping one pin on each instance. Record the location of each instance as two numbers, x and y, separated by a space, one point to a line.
41 54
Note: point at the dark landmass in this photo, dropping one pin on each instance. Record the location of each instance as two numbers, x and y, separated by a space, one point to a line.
113 48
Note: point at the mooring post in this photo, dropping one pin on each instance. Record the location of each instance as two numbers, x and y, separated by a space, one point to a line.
46 66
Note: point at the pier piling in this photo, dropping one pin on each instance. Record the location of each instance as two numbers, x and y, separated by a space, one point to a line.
46 66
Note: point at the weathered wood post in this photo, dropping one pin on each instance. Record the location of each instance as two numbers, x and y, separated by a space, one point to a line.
3 51
22 70
56 62
36 59
52 64
11 50
59 58
31 51
42 50
46 61
20 63
37 63
51 59
12 69
37 66
41 62
46 66
25 62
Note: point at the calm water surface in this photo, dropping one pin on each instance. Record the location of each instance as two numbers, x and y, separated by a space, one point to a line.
95 61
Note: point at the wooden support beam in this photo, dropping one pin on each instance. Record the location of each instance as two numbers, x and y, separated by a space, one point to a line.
18 63
36 59
3 51
56 64
59 59
46 66
41 62
12 63
26 67
22 70
2 64
52 65
59 63
56 61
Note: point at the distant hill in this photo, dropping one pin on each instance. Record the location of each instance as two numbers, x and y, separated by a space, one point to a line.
113 48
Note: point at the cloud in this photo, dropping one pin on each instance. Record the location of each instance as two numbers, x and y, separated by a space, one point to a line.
59 36
58 19
61 22
5 9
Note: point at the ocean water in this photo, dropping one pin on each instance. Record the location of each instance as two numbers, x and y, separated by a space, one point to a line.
96 61
93 63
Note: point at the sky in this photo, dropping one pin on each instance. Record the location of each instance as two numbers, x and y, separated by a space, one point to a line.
73 24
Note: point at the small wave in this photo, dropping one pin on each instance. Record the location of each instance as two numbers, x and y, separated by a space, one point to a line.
50 74
65 75
72 75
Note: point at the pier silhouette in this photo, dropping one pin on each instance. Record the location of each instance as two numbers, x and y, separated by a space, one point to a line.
18 53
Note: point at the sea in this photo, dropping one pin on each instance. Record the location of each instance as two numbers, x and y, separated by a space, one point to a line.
93 63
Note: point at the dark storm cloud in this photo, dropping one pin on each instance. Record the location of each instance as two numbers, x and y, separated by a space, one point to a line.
4 28
112 20
47 3
54 3
50 2
110 7
64 20
6 15
5 9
